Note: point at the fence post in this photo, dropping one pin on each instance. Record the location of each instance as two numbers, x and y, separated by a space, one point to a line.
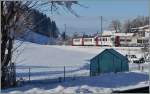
139 67
64 73
29 74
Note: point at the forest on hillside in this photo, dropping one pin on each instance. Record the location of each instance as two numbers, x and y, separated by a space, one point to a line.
43 24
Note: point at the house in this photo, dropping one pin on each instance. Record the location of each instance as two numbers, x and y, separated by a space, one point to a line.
142 35
108 61
125 39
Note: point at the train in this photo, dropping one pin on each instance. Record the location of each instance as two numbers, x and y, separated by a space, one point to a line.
95 41
137 38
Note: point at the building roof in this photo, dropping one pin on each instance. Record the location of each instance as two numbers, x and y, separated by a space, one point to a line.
108 33
113 52
144 27
123 34
83 37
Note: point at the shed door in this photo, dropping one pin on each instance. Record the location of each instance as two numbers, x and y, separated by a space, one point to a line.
106 63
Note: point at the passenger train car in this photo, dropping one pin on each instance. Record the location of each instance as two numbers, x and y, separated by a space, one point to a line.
137 38
92 41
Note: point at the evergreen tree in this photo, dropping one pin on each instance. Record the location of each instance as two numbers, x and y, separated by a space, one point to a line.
63 36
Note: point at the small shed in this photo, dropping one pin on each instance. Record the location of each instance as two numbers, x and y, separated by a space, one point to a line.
108 61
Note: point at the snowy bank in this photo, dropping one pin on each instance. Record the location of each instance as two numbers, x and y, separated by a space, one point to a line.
105 83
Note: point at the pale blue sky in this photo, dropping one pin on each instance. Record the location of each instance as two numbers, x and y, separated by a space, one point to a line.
113 8
90 22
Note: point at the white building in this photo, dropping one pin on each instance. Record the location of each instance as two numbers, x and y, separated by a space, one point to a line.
142 35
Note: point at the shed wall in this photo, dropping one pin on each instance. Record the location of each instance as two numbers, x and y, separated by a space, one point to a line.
106 63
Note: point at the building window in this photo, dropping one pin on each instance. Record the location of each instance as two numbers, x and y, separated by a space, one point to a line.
139 41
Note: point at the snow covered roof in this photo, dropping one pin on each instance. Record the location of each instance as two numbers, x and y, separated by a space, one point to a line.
86 36
113 52
108 33
144 27
123 34
147 30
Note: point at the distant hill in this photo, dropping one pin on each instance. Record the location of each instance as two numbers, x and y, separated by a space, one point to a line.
43 24
34 37
43 29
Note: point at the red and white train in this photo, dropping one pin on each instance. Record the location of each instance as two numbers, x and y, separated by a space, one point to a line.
110 38
94 41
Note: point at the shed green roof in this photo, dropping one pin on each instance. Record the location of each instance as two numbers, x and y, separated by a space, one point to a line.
113 52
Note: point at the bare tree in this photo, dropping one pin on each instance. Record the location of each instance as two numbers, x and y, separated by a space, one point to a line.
116 25
14 20
127 26
135 23
139 21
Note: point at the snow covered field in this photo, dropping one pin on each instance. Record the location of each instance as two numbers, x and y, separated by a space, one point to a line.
48 62
45 55
104 83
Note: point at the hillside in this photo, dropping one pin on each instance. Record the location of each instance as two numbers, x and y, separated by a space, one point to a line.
43 30
37 38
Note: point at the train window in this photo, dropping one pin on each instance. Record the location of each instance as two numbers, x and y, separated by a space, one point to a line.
106 39
87 39
77 40
122 40
128 40
139 41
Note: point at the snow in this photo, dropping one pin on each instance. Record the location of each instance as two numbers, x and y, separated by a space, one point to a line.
108 32
47 64
124 34
45 55
34 37
97 84
31 36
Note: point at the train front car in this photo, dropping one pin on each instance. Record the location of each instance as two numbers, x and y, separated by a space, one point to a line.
77 41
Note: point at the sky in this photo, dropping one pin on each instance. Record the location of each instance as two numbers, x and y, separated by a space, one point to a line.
89 20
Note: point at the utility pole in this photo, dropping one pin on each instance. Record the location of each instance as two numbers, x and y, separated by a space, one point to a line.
50 34
65 27
101 29
101 25
64 73
65 35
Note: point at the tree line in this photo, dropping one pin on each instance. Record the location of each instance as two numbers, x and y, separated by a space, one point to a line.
139 21
44 25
